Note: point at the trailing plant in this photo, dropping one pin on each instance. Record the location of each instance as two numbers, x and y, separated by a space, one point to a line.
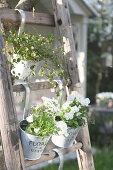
35 49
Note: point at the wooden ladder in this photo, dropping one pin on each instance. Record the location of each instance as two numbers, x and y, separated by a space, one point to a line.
11 157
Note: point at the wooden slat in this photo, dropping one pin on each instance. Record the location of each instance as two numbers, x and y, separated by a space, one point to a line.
11 144
51 155
37 86
34 86
48 156
39 18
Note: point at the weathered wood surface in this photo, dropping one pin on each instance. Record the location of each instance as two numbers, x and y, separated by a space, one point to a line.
39 18
34 86
48 155
11 144
64 30
51 155
37 86
1 161
84 155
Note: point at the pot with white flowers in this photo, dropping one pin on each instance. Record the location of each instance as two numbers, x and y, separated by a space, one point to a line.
35 132
70 120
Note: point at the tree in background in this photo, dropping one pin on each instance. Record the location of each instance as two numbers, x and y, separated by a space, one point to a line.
100 49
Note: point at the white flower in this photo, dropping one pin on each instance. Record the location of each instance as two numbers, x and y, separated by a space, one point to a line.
74 109
29 118
71 97
104 95
50 103
79 97
55 110
55 101
66 105
46 101
69 115
85 102
36 130
79 113
63 128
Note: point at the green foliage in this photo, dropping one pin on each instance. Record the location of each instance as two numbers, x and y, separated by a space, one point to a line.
43 122
78 117
36 49
68 165
103 159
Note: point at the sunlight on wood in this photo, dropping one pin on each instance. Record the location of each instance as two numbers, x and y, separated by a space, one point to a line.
67 46
60 2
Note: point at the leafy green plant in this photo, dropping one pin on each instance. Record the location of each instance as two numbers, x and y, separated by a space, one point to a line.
52 118
69 114
74 110
36 49
40 122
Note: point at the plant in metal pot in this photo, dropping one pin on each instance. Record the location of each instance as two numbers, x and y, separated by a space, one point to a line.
28 50
71 117
36 130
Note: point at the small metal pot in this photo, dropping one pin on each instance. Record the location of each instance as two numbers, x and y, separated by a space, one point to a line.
63 141
33 146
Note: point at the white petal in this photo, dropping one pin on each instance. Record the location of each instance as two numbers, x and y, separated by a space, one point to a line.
71 97
30 118
36 130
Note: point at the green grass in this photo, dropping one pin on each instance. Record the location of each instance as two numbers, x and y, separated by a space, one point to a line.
68 165
103 160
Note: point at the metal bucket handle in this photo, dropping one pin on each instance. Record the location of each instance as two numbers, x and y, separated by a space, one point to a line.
27 100
61 157
28 92
60 85
22 13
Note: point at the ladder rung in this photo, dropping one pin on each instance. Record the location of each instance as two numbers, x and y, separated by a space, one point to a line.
38 18
51 155
45 157
34 86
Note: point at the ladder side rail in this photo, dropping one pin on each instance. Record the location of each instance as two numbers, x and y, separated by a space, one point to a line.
12 150
64 30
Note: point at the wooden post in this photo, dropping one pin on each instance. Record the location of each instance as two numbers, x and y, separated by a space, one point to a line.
64 29
12 151
84 155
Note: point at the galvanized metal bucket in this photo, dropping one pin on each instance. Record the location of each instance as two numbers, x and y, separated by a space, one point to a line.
33 146
63 141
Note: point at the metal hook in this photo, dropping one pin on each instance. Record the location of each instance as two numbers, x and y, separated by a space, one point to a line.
60 154
27 100
60 84
22 13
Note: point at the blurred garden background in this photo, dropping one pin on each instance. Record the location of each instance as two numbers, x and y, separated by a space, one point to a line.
96 72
